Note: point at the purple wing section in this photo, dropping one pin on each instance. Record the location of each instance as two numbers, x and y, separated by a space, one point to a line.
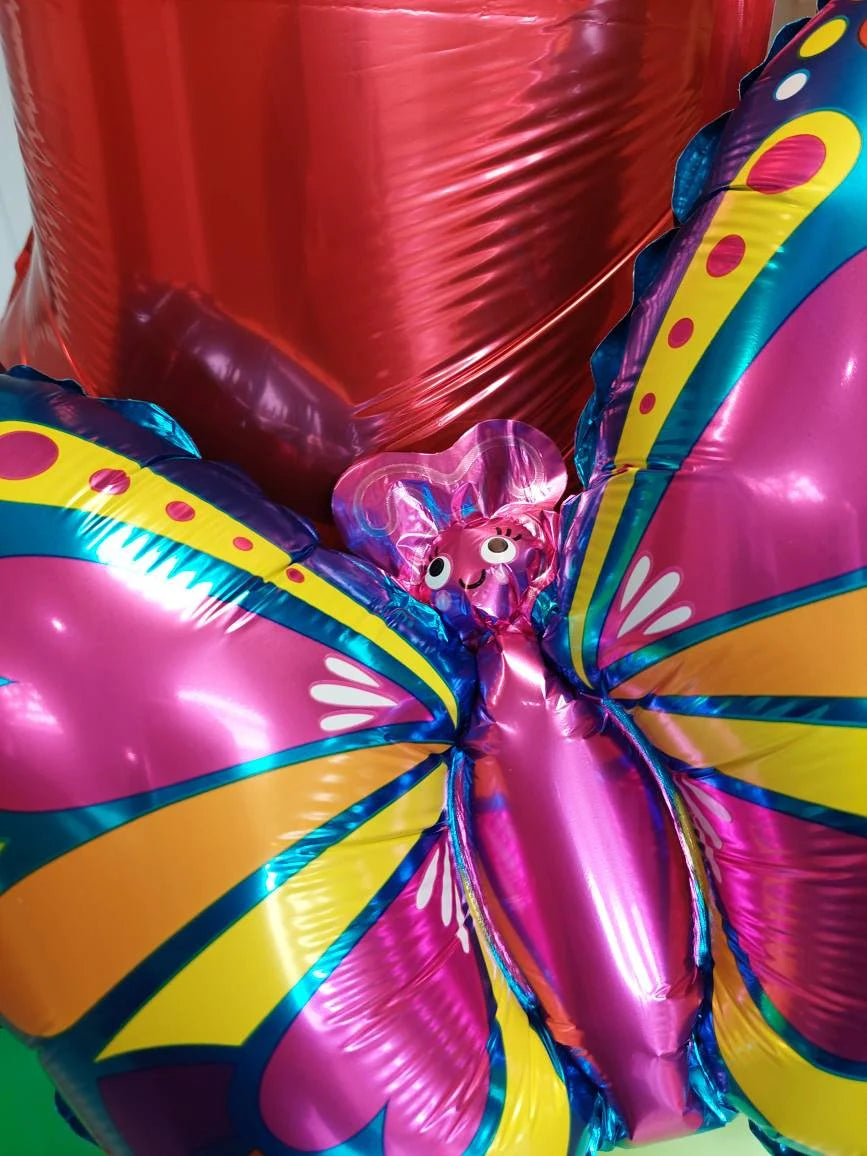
402 1024
787 517
811 878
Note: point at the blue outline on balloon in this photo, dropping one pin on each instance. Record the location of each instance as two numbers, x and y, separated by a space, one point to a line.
822 816
664 782
460 772
144 414
608 357
760 708
702 1043
707 1072
551 610
771 1145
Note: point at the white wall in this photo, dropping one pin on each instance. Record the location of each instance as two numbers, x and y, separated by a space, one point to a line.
14 207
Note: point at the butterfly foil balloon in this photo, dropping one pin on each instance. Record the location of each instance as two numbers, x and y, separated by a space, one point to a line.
235 917
399 853
713 581
231 921
568 847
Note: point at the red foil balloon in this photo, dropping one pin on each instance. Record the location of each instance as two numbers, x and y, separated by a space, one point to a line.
313 230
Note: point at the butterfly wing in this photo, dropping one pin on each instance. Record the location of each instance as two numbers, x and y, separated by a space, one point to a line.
221 791
715 583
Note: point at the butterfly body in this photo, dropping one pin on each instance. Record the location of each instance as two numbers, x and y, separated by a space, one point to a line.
570 851
580 867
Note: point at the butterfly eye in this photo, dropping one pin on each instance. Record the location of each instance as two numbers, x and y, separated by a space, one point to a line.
438 572
499 549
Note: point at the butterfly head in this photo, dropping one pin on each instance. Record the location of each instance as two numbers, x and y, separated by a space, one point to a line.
482 572
469 530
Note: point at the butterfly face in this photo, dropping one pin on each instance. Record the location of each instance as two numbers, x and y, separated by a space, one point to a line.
481 573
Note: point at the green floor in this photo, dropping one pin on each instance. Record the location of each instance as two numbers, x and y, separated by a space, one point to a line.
736 1140
29 1125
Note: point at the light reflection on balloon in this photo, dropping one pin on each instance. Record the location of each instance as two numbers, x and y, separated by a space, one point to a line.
725 494
387 204
425 798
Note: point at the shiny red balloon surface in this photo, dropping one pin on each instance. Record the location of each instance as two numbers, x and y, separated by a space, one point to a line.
315 229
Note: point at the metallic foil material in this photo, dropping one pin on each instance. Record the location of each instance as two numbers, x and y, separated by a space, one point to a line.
566 841
713 571
313 230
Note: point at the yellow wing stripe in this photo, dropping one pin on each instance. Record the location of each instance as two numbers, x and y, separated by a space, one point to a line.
120 881
226 992
783 1086
143 505
531 1082
815 650
804 761
319 594
763 223
530 1076
212 531
611 506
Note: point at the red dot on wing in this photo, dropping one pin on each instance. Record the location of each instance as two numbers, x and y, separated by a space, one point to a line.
681 332
788 164
26 454
726 255
109 481
180 511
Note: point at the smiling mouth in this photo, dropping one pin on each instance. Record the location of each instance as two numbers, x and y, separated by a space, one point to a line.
473 585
